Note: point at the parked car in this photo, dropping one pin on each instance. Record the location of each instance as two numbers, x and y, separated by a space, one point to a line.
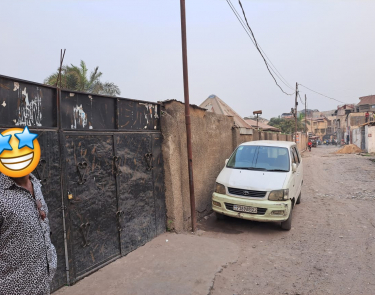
262 181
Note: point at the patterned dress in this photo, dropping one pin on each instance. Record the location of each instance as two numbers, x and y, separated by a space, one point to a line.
27 257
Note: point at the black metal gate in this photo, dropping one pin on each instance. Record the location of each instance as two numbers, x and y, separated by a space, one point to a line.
101 170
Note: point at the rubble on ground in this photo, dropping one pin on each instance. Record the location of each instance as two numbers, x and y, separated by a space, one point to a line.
349 149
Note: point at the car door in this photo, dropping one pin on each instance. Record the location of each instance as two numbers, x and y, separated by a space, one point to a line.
292 182
298 173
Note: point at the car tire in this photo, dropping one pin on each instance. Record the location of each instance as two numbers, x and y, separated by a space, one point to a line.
299 198
287 224
219 216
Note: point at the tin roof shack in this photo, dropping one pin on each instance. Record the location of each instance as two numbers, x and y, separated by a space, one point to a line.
262 126
366 104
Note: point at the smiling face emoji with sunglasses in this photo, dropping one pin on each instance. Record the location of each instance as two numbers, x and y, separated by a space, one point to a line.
19 152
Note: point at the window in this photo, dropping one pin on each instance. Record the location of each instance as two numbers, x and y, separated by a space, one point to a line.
298 155
294 156
264 158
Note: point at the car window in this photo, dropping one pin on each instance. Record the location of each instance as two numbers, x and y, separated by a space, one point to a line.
266 158
296 155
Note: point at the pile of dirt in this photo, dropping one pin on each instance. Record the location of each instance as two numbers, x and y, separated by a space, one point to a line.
349 149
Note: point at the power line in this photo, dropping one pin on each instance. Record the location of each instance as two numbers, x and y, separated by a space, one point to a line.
255 43
270 68
321 93
273 67
300 98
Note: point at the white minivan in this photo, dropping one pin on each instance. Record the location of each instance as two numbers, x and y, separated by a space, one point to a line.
262 181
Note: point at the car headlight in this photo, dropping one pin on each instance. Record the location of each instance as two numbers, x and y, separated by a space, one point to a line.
279 195
220 189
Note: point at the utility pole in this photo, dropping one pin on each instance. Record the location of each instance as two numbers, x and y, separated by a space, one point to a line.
187 115
305 116
295 113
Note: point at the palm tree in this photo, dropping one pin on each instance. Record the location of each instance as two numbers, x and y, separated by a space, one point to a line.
75 78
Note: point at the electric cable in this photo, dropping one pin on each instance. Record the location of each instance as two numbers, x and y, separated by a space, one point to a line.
273 67
321 93
256 45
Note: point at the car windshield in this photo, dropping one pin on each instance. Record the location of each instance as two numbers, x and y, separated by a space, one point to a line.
263 158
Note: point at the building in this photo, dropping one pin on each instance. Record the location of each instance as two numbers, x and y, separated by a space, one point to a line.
287 115
366 104
319 127
215 105
261 126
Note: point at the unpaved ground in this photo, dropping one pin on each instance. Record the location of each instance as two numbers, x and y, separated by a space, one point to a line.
331 247
329 250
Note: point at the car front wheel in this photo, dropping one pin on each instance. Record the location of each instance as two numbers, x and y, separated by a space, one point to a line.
299 198
287 224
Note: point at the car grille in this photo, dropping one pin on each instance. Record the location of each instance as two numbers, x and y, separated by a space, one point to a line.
261 211
246 193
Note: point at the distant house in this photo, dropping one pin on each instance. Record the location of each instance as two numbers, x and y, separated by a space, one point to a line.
287 115
366 104
262 126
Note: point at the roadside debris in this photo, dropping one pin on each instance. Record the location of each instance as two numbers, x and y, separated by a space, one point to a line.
349 149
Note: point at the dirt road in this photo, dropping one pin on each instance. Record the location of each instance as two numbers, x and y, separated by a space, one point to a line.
329 250
331 246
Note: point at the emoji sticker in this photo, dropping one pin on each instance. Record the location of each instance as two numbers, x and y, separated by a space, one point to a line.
19 152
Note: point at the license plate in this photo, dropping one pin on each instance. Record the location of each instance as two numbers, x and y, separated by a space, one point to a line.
245 209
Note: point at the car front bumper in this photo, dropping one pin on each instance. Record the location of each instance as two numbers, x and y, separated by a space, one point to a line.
227 202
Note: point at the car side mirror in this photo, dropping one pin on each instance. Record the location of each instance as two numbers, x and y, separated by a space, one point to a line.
294 167
226 162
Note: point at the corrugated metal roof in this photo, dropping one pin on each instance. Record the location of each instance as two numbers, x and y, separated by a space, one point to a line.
261 125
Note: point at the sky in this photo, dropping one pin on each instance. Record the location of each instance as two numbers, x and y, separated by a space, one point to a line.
328 46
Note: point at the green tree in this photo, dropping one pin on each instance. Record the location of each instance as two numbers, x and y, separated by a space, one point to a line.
288 125
77 79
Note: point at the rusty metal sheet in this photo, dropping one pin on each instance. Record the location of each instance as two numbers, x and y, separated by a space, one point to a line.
27 104
136 115
158 180
85 111
136 199
93 236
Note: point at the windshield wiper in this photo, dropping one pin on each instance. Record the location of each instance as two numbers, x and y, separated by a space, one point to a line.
253 168
277 170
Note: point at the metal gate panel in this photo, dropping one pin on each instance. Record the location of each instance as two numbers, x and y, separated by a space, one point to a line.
49 173
92 201
25 103
136 199
138 115
87 111
158 180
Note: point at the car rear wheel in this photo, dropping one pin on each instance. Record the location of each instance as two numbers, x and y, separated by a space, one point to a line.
287 224
299 198
219 216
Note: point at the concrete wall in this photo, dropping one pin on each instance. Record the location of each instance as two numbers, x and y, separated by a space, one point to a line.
357 137
214 137
370 139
